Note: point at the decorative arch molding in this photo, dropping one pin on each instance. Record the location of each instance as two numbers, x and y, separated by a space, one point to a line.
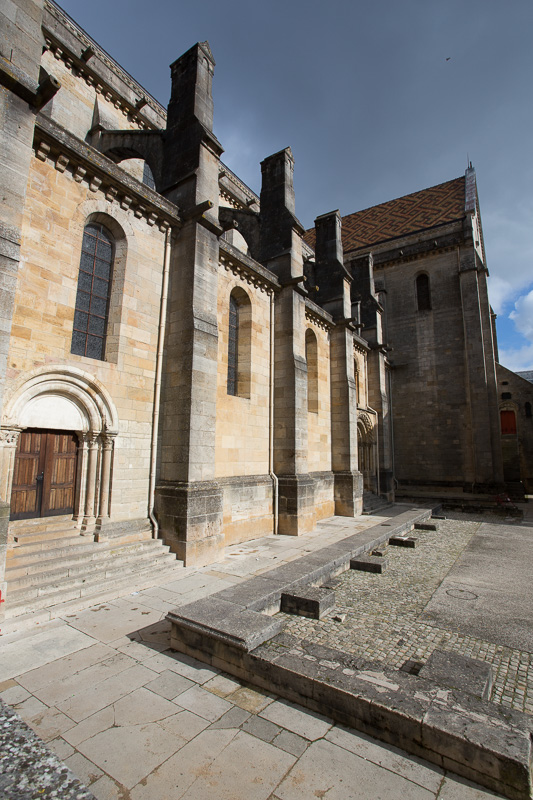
509 405
366 426
96 408
66 398
108 213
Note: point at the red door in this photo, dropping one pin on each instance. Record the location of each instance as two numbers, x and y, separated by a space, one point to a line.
44 475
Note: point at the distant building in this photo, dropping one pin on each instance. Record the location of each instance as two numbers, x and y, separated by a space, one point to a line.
180 357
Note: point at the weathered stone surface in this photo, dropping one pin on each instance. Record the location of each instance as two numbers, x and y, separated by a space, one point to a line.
402 541
369 563
312 602
459 672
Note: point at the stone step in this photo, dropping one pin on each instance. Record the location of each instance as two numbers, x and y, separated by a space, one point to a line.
42 547
41 551
21 563
71 565
19 619
372 503
42 527
45 536
34 598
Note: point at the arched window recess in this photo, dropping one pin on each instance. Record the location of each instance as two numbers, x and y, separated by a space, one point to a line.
94 289
423 293
311 357
239 344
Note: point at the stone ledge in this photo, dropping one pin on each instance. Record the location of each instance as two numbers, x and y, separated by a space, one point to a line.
459 672
447 726
240 614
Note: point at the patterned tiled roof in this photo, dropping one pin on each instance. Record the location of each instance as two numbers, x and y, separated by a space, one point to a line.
414 212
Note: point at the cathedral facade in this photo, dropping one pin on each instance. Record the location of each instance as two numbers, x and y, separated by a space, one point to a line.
180 356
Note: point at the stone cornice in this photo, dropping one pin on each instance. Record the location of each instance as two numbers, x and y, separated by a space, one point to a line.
238 194
70 155
359 345
247 269
67 41
317 315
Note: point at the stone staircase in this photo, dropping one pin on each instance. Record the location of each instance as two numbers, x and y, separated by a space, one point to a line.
51 569
374 503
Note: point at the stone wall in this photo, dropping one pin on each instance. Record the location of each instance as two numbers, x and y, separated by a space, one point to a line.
432 426
57 209
514 394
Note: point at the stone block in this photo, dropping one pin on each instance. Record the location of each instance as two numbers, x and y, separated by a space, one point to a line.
314 602
459 672
402 541
426 526
256 594
369 564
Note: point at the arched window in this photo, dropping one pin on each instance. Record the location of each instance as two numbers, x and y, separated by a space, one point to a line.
148 176
92 298
423 295
508 422
311 356
528 410
239 343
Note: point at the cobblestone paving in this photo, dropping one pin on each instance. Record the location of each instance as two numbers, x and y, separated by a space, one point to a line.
382 615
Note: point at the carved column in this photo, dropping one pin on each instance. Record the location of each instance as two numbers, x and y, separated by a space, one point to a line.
8 447
105 480
90 493
81 478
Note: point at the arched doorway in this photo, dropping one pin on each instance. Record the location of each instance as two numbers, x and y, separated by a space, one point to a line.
366 453
56 447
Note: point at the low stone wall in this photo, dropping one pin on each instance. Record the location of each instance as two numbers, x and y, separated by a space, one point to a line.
234 630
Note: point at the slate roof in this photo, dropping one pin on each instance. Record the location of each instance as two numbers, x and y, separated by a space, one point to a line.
409 214
528 375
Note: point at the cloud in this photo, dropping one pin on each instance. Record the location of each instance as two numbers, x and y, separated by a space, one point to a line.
517 360
521 357
509 246
522 315
501 292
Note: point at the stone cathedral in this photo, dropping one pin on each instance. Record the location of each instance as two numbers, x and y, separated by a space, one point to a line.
182 362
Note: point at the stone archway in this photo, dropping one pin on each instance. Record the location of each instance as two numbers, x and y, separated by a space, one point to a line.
60 398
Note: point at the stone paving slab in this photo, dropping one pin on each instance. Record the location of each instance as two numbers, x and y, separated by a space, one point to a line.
224 758
488 603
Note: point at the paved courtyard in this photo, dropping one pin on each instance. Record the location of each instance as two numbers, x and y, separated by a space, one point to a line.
384 617
134 720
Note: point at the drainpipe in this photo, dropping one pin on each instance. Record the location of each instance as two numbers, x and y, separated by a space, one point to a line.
393 466
271 418
157 388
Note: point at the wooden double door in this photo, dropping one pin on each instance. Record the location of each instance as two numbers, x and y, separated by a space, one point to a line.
44 475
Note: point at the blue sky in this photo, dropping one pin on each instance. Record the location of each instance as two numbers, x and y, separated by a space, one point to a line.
376 99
